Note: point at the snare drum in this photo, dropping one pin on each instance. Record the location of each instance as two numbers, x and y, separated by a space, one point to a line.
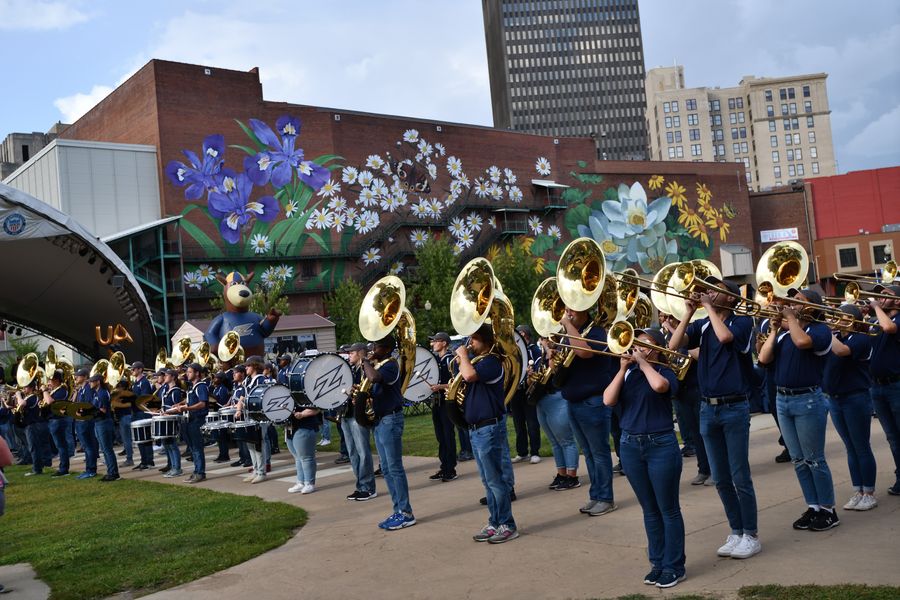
323 380
226 415
254 404
165 426
212 419
247 431
141 431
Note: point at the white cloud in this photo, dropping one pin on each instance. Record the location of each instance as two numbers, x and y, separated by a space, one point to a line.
38 15
879 138
73 107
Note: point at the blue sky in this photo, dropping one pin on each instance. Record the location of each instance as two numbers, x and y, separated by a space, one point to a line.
426 57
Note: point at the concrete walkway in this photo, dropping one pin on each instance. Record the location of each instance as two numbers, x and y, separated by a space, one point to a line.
561 554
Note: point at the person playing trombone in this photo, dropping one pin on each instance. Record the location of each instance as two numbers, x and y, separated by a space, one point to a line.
885 369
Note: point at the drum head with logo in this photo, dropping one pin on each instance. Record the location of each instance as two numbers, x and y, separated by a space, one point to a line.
425 374
523 351
323 380
277 403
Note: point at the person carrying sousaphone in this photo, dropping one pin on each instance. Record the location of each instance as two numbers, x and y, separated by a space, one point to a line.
36 431
484 413
54 392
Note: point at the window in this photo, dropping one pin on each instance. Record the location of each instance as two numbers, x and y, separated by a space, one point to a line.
787 139
791 93
784 109
815 168
736 148
777 172
739 102
670 138
721 149
690 104
731 103
674 105
747 174
695 150
26 152
813 153
668 122
792 172
718 135
743 133
740 117
796 124
800 169
880 252
810 122
787 124
796 139
679 151
693 119
677 137
772 125
848 256
732 117
666 107
798 154
807 106
744 147
671 152
676 121
790 154
812 137
768 95
694 134
308 269
806 91
714 105
773 141
770 110
717 120
734 133
782 93
793 108
775 157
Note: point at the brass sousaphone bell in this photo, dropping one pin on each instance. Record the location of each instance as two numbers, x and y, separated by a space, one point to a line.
29 370
230 348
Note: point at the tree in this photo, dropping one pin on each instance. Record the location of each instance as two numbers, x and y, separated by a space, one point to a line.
263 299
20 348
343 306
430 285
517 270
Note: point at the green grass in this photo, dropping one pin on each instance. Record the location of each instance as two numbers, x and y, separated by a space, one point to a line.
793 592
88 539
419 440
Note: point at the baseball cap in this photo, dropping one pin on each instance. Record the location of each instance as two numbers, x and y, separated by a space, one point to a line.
82 372
656 335
524 329
729 285
195 367
852 310
358 347
256 361
95 378
811 295
878 289
171 372
345 348
284 357
137 365
440 336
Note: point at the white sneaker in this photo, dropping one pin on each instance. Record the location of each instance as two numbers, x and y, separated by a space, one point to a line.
853 502
324 442
517 459
535 459
731 542
867 502
258 479
297 487
747 547
249 478
309 488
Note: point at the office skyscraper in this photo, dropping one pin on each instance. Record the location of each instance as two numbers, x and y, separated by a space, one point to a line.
569 68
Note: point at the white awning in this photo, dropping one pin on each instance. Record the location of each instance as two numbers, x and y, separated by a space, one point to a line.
547 183
145 227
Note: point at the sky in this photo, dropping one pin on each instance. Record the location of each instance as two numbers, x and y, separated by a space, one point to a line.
426 58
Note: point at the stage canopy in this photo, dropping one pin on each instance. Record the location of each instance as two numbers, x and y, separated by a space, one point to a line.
62 281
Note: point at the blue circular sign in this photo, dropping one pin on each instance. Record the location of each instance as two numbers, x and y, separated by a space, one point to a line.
14 224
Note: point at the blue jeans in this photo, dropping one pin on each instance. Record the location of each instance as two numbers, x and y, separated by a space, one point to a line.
687 410
260 456
38 436
465 444
6 432
652 464
104 429
803 420
59 429
389 443
173 454
85 431
195 438
326 428
887 406
125 434
360 453
509 476
725 430
303 447
490 445
852 418
590 423
553 415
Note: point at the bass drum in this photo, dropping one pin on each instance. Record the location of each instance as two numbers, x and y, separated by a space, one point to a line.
523 352
323 380
425 374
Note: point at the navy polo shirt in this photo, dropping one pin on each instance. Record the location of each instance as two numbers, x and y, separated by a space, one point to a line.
85 393
723 369
171 396
313 422
795 368
282 376
100 400
357 372
238 392
485 397
142 387
220 394
31 414
886 353
642 410
60 394
198 394
848 374
589 376
444 375
386 395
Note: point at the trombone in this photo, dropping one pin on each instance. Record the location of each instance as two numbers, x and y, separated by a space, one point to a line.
888 275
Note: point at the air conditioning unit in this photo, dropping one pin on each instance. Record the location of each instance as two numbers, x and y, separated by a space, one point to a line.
890 228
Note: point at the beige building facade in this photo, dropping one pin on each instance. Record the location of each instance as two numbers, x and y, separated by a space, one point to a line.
779 128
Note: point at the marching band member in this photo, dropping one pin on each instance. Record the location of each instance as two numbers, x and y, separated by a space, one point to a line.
196 407
767 374
846 384
388 404
300 437
171 397
650 455
260 452
525 421
885 369
484 411
444 430
141 387
284 367
238 393
723 371
84 428
359 437
37 433
583 389
270 375
798 353
159 388
219 395
59 425
103 426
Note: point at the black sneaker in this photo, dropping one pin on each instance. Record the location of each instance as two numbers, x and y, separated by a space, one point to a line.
688 452
122 453
222 459
652 577
894 490
165 469
109 478
363 496
618 469
437 476
805 519
186 454
342 460
465 456
556 481
59 474
568 483
237 463
784 457
378 472
354 495
824 520
449 476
